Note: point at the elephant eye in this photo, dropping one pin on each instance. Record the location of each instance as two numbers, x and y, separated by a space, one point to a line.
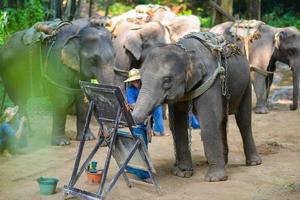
167 82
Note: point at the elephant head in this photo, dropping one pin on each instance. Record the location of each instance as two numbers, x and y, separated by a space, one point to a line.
140 39
166 74
287 50
91 53
133 45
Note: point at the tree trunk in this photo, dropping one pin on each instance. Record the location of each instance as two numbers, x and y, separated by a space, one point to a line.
78 10
227 6
12 3
73 10
56 8
254 9
108 2
91 8
1 5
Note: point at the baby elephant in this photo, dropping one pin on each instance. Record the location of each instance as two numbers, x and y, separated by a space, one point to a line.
169 75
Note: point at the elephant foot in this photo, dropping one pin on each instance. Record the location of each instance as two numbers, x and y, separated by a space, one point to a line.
185 173
60 141
253 160
216 174
261 110
88 136
293 107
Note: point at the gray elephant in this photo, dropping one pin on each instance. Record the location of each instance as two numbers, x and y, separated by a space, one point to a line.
180 26
132 42
170 74
54 67
267 45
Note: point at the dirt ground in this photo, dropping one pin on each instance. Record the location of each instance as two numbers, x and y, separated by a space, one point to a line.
277 137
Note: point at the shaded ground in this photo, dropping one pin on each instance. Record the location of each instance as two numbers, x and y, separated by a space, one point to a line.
277 136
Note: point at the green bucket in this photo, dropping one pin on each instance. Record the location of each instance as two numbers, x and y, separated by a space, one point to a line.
47 185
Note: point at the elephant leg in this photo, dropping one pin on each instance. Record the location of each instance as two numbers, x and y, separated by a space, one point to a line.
296 74
58 127
213 127
224 139
81 111
243 119
260 88
178 117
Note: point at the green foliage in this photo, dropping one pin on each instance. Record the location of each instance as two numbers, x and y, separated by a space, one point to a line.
7 101
12 20
279 19
19 19
3 26
118 9
206 22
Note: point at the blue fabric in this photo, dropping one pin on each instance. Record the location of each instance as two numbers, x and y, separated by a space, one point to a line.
8 136
132 94
158 119
193 121
142 174
140 131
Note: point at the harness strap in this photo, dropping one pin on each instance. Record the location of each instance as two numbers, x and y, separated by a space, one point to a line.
44 66
260 71
67 90
121 71
205 86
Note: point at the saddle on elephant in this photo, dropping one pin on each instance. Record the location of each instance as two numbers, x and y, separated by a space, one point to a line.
246 29
215 43
221 49
41 31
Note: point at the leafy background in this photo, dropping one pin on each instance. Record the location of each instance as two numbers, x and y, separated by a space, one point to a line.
278 13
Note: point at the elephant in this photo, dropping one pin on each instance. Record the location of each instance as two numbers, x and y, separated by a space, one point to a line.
170 73
53 67
273 44
132 42
182 25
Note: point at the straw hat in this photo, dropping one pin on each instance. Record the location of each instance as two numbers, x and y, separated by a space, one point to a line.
10 113
133 75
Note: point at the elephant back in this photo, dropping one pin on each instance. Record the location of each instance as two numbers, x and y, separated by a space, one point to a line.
215 43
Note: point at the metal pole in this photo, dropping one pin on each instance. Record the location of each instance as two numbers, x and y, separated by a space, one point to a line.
109 153
81 145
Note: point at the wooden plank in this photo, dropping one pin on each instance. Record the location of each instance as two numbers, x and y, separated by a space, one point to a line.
221 10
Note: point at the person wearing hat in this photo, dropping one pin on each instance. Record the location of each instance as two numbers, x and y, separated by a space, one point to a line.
134 78
11 129
132 92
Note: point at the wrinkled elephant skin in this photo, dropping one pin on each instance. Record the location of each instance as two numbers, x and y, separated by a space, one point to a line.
78 53
167 74
274 44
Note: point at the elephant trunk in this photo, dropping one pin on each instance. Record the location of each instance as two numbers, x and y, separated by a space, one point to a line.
105 74
143 107
296 74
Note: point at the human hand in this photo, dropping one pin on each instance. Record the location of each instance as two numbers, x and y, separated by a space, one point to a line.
129 107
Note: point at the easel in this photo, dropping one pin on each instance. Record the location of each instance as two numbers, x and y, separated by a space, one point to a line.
109 108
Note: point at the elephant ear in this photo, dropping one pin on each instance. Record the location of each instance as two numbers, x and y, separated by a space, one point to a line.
70 53
133 44
194 72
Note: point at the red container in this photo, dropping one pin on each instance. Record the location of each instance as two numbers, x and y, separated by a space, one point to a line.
94 177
